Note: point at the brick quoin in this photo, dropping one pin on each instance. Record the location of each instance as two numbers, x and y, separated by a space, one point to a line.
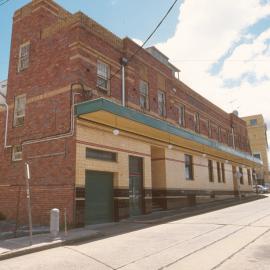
64 49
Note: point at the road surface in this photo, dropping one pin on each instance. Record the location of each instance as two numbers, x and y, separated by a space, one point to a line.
237 237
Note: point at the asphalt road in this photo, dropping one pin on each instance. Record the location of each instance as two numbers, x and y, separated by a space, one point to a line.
237 237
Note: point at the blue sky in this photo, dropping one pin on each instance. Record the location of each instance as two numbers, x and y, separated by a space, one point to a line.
122 17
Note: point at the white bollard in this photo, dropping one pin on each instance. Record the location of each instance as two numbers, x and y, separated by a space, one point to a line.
54 222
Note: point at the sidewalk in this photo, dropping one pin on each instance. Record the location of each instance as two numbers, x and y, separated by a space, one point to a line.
20 246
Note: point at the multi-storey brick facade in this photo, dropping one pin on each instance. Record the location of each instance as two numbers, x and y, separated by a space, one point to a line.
64 50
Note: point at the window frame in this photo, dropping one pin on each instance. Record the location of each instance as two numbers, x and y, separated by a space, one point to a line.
189 166
197 122
16 116
181 115
253 122
210 171
14 158
143 95
219 134
22 58
219 172
241 179
101 76
209 128
223 174
249 177
97 152
162 94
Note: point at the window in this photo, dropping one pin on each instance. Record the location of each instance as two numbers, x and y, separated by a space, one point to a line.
100 155
181 118
197 122
188 167
17 153
209 128
241 176
144 101
19 110
253 122
223 172
161 103
103 74
24 56
210 171
219 134
218 172
257 155
249 176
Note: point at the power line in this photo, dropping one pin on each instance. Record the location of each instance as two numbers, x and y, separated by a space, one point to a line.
152 33
5 1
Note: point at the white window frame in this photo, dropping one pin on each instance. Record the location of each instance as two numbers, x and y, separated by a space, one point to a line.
17 153
161 103
103 75
144 95
19 113
197 122
24 56
181 117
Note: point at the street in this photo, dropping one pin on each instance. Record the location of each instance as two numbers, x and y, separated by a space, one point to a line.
236 237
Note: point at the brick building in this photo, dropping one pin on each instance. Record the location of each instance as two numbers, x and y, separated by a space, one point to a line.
106 139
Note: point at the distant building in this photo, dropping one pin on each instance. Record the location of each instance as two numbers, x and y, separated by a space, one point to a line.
3 89
258 143
106 139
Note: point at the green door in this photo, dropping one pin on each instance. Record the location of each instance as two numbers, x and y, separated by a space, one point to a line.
135 185
98 197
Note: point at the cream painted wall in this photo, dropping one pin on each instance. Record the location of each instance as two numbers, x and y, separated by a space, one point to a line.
105 140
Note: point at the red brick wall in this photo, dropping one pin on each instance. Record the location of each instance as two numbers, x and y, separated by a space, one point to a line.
56 63
52 163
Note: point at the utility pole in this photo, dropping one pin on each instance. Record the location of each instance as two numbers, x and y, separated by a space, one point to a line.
28 197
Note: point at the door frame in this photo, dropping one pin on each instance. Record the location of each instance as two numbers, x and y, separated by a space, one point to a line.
142 200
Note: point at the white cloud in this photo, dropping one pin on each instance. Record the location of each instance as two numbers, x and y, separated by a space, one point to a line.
208 30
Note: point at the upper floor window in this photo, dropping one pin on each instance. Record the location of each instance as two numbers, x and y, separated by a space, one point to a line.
24 56
103 76
17 153
257 155
161 103
181 118
188 167
209 128
197 122
19 110
253 122
219 134
144 100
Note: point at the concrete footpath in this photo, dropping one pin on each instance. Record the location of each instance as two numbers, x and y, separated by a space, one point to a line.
14 247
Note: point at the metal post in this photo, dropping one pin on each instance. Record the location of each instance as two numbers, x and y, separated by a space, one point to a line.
28 196
65 216
123 86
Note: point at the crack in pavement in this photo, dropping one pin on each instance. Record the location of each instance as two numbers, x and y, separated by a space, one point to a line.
88 256
239 250
212 243
174 245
